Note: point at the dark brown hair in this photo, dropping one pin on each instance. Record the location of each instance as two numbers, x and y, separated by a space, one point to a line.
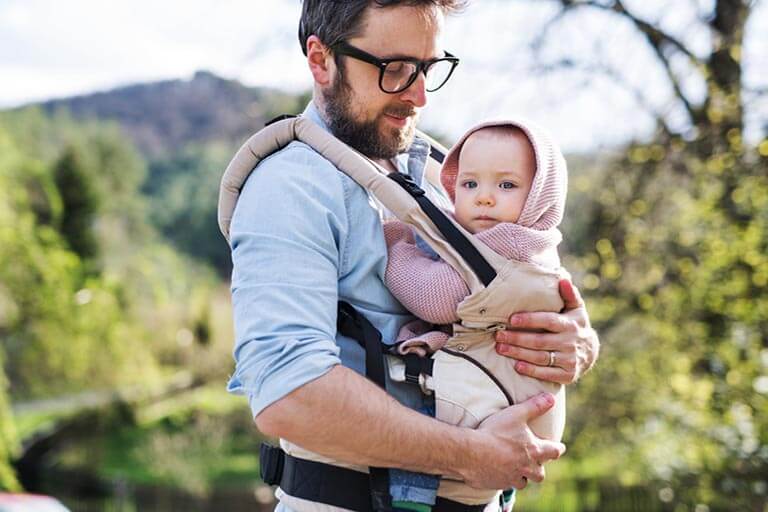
338 20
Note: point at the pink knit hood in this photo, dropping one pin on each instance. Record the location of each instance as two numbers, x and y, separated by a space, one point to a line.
536 229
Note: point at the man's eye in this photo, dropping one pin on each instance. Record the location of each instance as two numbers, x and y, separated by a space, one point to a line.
395 68
469 184
507 185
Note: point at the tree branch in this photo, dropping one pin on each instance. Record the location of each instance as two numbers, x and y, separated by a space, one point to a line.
591 69
654 34
539 39
658 39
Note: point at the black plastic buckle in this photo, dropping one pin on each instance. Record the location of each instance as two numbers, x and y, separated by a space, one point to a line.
413 366
436 154
407 183
271 462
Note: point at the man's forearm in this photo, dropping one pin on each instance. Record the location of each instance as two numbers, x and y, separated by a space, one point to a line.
344 416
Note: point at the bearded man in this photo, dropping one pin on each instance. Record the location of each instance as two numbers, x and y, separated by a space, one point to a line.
304 236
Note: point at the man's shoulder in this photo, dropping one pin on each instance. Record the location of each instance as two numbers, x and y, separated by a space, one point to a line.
298 171
297 154
300 158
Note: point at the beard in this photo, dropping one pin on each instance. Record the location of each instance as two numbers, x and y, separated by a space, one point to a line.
365 136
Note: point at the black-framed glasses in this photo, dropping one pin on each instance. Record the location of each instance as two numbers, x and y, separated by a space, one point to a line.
396 75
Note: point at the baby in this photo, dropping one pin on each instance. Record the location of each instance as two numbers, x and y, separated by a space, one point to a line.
508 182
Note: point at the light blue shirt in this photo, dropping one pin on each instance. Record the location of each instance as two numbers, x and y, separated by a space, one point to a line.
304 236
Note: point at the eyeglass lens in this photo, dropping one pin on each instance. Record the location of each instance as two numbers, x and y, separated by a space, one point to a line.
398 75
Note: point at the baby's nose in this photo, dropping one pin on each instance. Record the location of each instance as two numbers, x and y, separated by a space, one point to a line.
485 200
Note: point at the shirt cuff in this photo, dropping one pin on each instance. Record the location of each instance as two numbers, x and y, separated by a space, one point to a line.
287 380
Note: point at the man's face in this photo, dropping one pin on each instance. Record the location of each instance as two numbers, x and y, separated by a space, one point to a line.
495 175
378 124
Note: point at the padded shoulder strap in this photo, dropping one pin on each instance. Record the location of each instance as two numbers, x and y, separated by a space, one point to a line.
358 167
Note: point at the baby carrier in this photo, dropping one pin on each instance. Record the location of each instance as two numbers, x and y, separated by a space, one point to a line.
469 379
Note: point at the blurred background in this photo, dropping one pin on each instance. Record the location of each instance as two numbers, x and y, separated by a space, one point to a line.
118 118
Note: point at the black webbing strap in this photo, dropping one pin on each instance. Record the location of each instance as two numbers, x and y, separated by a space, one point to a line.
352 324
325 483
331 485
415 366
453 236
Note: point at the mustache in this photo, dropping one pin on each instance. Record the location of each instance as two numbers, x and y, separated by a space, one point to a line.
401 112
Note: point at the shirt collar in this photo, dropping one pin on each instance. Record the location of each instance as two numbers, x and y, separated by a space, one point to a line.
313 114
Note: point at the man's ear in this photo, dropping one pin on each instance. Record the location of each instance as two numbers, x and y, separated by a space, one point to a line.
320 60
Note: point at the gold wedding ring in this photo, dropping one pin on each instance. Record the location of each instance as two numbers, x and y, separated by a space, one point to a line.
552 358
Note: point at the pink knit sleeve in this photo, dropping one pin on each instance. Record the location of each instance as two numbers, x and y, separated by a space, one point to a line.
429 289
502 239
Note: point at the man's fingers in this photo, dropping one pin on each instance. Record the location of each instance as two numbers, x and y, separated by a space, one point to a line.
542 321
537 357
551 450
529 340
547 451
549 374
536 406
537 473
570 295
520 483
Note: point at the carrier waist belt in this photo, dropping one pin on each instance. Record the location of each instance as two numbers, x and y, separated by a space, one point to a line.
329 484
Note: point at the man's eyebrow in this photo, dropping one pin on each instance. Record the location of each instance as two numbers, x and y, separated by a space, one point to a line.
401 56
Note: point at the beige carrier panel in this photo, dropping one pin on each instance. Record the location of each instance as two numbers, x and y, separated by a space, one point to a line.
465 393
488 382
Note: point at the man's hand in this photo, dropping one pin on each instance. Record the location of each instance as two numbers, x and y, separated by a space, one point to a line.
566 349
509 454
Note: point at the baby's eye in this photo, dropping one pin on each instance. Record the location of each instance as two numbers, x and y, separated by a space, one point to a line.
507 185
469 184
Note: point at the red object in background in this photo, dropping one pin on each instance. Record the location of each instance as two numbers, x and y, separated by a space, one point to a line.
29 503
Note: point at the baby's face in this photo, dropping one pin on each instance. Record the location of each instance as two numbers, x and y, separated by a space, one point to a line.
495 175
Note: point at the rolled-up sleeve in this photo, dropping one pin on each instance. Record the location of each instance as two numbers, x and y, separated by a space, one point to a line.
287 239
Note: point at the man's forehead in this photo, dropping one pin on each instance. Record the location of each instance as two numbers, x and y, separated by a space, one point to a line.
402 31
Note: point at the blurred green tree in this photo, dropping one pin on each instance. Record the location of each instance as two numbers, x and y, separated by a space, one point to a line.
87 326
670 247
8 443
179 191
79 203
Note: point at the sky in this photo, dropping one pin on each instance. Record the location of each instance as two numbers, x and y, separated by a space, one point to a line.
50 48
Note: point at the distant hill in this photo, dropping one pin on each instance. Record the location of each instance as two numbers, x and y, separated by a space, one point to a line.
162 117
186 130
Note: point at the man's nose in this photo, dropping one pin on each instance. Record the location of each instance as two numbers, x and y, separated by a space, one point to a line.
416 93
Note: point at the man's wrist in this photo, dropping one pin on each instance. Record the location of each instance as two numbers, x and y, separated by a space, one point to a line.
467 453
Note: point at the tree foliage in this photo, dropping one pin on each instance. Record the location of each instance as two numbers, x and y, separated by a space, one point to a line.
8 442
79 203
90 297
670 245
182 194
